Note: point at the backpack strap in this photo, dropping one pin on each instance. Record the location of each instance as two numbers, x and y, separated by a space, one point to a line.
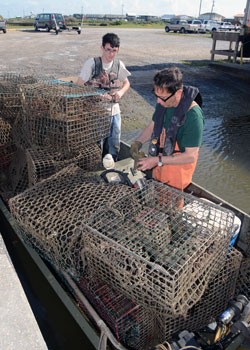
115 68
98 68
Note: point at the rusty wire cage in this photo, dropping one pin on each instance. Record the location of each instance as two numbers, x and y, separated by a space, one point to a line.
15 175
151 249
50 213
11 94
7 145
213 302
243 282
42 163
131 324
62 115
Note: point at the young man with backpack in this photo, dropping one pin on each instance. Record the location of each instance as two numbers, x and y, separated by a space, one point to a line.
107 72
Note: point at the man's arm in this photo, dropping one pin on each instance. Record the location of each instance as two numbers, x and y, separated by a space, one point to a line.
119 93
188 156
146 133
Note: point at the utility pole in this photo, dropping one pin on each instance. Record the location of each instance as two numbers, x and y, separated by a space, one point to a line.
212 9
200 8
122 7
81 15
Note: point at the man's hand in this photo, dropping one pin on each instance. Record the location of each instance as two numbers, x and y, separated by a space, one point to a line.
116 96
134 149
147 163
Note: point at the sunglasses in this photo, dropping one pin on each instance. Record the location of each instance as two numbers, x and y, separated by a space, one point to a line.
162 98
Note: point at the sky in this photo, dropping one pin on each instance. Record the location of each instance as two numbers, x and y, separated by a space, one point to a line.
226 8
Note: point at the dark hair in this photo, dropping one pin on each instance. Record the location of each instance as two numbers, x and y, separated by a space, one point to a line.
169 78
112 39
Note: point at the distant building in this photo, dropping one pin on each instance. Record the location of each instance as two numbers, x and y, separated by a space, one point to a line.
104 17
167 17
239 18
131 16
182 17
211 15
148 18
77 15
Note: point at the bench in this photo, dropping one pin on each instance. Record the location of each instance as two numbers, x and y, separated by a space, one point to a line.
226 36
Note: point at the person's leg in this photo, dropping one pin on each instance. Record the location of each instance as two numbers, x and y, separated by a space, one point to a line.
105 147
114 137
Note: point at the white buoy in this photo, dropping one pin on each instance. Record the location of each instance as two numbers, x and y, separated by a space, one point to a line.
108 162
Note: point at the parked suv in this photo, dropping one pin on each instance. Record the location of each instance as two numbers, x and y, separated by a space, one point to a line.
49 21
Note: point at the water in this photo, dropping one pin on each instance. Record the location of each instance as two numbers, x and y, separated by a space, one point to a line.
224 163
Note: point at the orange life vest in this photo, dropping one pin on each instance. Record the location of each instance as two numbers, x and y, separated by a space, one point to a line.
178 176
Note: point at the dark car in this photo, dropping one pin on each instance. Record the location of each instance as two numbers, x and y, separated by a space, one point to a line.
3 25
49 21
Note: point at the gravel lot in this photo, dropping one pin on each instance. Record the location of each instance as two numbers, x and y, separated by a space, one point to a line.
144 51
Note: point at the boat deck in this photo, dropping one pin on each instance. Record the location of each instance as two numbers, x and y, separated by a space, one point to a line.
19 329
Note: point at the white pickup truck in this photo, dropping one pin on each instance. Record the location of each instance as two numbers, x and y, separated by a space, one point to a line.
182 26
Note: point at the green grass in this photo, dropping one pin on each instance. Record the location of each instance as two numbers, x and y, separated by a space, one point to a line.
196 63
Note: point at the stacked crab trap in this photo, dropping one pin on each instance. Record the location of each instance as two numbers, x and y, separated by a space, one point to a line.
151 261
47 125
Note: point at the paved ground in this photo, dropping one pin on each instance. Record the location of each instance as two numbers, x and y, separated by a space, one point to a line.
19 328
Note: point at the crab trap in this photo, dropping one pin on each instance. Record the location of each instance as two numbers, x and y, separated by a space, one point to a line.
243 282
132 325
152 250
212 303
65 116
7 146
42 163
11 94
50 213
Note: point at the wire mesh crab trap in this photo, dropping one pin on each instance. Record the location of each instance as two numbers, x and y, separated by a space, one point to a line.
42 163
14 178
50 213
243 282
7 147
155 252
11 94
131 324
213 302
65 116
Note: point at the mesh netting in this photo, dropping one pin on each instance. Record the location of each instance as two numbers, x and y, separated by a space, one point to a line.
131 324
14 178
160 255
50 213
65 116
7 146
42 163
11 94
47 124
243 282
213 302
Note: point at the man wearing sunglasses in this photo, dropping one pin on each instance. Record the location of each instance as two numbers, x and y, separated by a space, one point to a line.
175 132
110 74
